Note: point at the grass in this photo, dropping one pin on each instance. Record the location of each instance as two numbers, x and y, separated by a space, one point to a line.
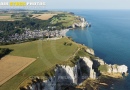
47 53
7 17
81 52
64 18
4 14
103 68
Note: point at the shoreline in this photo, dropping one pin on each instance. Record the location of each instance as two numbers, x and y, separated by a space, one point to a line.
96 81
64 32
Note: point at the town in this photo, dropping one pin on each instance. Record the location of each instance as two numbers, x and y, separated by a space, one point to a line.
33 35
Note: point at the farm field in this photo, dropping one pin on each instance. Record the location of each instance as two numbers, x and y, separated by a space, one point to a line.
47 54
8 17
12 65
5 17
43 16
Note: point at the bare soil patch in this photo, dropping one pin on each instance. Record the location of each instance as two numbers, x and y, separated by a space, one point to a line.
12 65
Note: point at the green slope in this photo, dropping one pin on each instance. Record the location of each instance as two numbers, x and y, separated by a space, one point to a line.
47 53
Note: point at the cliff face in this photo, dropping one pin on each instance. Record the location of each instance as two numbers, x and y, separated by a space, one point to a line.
83 23
117 69
90 51
89 67
67 75
84 68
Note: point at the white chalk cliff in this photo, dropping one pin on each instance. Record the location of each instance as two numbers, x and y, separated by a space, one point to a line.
74 75
90 51
83 23
117 69
89 64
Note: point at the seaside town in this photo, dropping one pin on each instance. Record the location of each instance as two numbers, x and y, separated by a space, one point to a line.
40 34
35 34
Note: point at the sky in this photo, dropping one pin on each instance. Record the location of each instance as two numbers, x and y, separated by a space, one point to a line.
81 4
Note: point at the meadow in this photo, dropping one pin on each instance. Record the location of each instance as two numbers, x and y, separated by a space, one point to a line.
11 17
65 19
46 53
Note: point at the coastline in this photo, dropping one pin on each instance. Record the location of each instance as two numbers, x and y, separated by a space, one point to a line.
96 81
106 79
64 32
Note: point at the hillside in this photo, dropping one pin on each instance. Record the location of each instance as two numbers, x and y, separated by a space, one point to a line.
47 53
60 57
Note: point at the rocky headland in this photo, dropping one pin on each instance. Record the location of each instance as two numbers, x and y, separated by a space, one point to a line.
82 23
83 71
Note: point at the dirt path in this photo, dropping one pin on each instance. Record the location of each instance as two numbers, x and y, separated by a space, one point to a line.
74 54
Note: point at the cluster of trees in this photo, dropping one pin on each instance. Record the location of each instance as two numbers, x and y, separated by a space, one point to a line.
67 44
18 15
4 51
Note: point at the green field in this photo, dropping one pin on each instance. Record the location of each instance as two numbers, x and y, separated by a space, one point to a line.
47 53
11 17
65 19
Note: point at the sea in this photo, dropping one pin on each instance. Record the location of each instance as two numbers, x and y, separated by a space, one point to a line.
108 36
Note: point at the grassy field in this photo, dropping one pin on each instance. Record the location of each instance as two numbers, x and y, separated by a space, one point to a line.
47 53
12 17
7 17
64 18
103 68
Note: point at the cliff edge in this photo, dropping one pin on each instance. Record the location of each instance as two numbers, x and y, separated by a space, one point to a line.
84 66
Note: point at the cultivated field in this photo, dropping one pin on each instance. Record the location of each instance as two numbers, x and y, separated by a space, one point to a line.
43 16
11 17
5 17
12 65
47 54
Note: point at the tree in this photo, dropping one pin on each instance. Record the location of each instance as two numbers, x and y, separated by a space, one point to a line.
30 15
4 51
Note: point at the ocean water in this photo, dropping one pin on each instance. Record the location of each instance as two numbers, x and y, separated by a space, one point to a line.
109 36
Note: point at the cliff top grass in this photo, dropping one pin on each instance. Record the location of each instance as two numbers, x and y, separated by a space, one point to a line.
72 60
64 19
81 52
103 68
47 53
